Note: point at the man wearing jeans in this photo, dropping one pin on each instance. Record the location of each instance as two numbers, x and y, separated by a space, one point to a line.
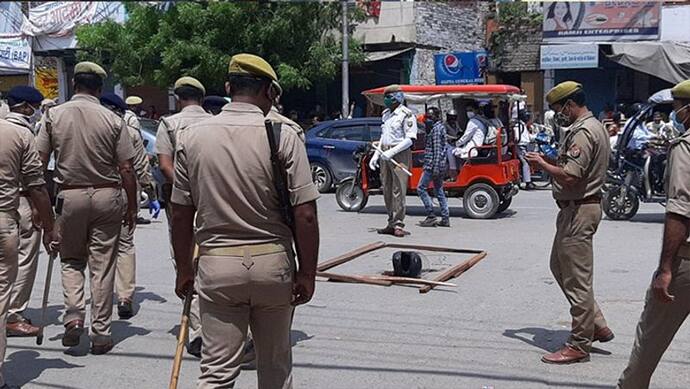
434 169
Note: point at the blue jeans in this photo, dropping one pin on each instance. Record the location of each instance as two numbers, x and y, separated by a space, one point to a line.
422 187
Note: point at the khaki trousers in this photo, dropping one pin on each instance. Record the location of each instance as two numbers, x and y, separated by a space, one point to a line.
90 225
194 316
394 182
572 263
9 242
125 266
29 248
240 292
657 327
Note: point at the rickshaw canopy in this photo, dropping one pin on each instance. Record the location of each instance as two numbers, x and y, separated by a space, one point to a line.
422 94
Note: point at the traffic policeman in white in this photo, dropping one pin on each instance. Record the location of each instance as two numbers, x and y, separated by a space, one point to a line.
398 132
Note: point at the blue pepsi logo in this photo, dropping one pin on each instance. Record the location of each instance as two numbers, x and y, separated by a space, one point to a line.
452 64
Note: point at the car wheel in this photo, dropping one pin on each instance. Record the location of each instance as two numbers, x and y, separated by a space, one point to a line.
480 201
321 177
351 197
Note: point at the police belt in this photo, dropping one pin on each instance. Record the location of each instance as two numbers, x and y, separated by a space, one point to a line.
594 199
252 250
96 186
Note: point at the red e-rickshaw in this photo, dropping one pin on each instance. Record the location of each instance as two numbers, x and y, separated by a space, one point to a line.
487 182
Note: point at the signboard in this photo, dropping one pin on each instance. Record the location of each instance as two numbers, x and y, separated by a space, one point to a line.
15 54
590 21
60 18
46 77
569 56
460 67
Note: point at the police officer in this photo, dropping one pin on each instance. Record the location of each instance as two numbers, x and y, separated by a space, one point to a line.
20 167
189 93
125 268
398 132
94 162
24 103
577 178
131 113
246 270
668 299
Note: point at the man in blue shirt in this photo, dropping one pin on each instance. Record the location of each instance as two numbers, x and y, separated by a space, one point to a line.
434 169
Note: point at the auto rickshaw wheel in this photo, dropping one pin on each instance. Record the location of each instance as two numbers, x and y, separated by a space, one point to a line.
481 201
616 209
351 197
505 204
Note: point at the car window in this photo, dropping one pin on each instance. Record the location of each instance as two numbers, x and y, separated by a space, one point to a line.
374 132
352 133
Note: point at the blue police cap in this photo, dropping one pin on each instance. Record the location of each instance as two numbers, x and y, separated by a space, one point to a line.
114 100
24 94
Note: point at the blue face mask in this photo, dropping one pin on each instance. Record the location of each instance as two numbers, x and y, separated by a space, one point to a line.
676 123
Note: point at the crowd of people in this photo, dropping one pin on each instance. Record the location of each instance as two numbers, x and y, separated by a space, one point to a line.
241 211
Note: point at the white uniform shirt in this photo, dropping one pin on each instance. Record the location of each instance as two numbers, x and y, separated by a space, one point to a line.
397 125
472 138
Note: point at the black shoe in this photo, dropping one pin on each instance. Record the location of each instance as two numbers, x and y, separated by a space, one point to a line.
8 386
73 332
141 220
194 347
430 221
386 231
443 223
102 348
125 310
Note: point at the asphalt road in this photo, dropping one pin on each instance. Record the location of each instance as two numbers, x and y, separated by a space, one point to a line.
490 331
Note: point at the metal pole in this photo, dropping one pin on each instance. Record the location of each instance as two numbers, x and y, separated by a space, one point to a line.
346 76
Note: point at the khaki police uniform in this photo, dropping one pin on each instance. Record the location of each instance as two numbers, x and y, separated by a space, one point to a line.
246 265
660 321
397 125
286 123
29 243
584 154
20 166
125 273
89 142
166 140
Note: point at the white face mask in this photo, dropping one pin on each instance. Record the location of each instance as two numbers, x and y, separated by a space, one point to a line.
677 123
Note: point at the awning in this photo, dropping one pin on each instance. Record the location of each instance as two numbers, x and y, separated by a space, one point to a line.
669 61
373 56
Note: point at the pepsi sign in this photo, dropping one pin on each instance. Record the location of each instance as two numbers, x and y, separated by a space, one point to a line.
456 68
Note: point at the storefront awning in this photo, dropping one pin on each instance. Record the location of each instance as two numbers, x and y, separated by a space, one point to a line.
374 56
669 61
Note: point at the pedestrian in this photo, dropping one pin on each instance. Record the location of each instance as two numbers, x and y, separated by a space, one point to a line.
577 179
94 162
667 302
246 269
398 132
125 266
189 93
434 169
20 170
24 104
524 137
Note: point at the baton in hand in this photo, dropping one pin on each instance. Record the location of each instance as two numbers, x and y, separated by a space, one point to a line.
394 162
46 292
184 327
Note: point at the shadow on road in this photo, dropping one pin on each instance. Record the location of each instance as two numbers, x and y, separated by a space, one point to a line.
455 373
140 297
542 338
419 211
26 366
53 315
652 218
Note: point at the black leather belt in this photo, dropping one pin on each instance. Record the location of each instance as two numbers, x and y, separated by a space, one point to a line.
595 199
